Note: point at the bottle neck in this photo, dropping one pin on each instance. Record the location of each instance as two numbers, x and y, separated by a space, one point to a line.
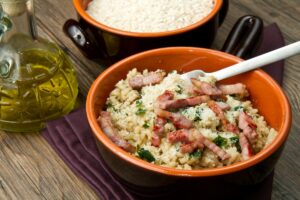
20 13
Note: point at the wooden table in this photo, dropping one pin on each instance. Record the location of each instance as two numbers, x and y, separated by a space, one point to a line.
29 167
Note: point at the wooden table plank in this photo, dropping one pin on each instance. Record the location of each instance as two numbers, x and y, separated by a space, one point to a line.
29 167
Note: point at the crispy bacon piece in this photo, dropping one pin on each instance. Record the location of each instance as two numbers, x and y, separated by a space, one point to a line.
237 88
193 139
189 139
152 78
177 119
231 127
223 106
181 103
205 88
167 95
194 90
181 135
158 130
247 151
248 126
217 109
192 146
108 128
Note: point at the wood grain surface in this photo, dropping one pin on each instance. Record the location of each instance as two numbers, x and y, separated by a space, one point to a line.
29 167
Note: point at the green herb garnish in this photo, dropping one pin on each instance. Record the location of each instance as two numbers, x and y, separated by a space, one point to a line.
146 155
236 142
179 90
140 111
234 139
238 108
146 124
109 105
196 119
220 141
115 109
198 115
139 103
196 154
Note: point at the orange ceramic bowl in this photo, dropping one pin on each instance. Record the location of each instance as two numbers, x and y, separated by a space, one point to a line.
266 95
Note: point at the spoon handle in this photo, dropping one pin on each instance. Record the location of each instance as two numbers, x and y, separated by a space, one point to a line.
258 61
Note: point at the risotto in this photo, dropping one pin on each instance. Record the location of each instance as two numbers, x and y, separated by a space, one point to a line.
184 124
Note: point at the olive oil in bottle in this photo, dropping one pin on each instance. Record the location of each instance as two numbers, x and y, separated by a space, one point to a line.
45 88
37 80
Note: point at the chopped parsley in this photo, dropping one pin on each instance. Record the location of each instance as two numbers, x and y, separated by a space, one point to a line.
146 124
236 142
115 109
140 111
198 114
196 119
196 154
238 108
139 103
179 89
109 105
220 141
146 155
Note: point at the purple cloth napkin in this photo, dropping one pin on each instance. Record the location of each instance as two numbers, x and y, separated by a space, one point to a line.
72 138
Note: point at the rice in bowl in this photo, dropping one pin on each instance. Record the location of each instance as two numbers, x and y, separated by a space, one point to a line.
221 130
150 15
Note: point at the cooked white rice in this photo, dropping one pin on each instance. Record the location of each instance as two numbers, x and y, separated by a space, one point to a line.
149 15
122 106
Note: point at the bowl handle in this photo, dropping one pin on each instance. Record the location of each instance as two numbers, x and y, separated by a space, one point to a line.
84 39
245 37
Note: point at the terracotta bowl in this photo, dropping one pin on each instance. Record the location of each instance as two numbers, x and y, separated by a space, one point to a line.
98 41
266 95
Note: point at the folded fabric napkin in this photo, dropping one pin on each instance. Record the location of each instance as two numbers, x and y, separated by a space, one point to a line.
72 138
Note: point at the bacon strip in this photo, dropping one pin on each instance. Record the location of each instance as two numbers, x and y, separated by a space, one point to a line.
192 146
108 128
247 151
152 78
193 139
189 139
223 106
216 108
237 88
181 103
167 95
177 119
158 130
248 126
181 135
206 88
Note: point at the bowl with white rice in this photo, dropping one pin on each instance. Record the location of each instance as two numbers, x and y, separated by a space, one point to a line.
154 128
114 29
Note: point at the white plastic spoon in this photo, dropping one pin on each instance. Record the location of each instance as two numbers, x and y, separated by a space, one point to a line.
247 65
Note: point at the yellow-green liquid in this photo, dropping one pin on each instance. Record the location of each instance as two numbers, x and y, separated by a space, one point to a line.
45 88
